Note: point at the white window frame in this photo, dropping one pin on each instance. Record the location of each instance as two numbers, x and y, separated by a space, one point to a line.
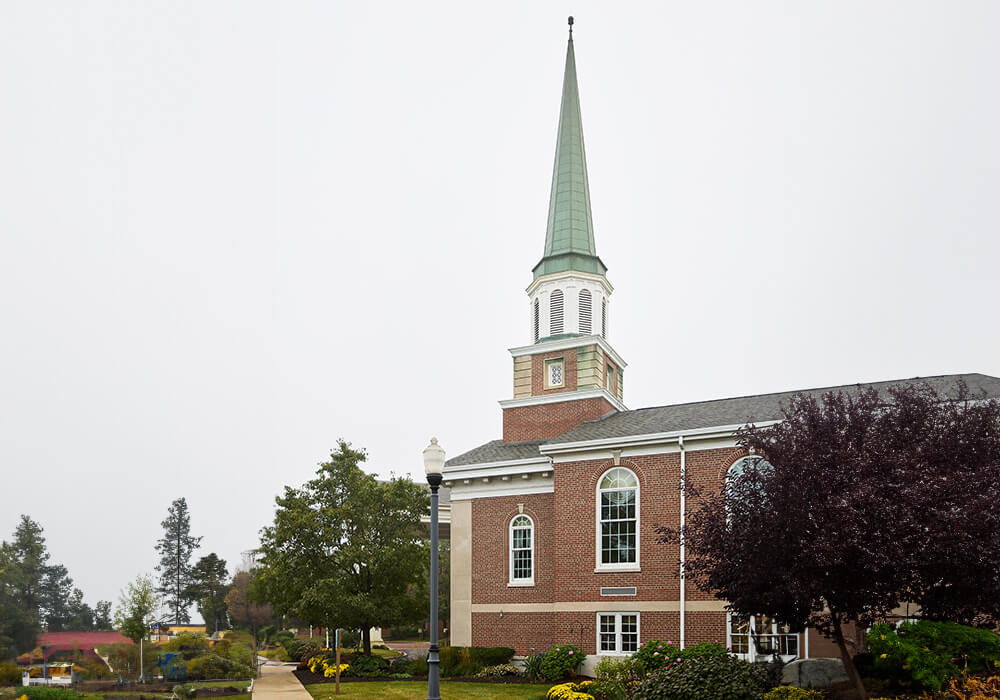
619 566
549 363
751 653
618 633
511 581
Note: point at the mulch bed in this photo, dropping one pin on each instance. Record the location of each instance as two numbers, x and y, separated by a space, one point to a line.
307 677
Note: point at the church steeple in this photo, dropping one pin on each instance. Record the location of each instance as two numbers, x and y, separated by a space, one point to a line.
569 235
569 373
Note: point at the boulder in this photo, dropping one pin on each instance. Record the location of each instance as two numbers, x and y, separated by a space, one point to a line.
813 673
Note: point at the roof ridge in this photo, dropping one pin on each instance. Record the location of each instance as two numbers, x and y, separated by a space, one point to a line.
801 391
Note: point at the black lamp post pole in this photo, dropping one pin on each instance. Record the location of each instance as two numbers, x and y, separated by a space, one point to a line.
433 659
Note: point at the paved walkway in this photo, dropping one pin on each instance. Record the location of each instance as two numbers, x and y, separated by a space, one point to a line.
276 682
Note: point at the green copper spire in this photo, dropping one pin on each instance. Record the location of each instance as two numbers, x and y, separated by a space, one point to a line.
569 237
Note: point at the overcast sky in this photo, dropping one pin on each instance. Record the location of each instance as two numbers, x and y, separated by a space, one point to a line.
233 232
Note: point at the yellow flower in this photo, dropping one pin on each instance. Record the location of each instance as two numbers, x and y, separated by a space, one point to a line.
883 656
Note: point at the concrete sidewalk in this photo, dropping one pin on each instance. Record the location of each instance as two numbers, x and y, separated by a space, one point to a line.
278 683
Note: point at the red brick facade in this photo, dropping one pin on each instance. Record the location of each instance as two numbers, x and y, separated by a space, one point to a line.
522 423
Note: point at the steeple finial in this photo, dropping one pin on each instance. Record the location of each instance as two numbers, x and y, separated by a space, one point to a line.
571 27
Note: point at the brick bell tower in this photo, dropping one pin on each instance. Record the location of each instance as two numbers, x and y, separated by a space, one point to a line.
570 373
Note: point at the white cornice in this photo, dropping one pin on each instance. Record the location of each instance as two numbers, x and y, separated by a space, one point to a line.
647 439
568 343
509 467
570 274
564 396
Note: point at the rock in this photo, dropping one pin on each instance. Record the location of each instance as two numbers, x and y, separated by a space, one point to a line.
813 673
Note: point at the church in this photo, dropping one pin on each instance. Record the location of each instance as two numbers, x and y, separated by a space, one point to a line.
552 536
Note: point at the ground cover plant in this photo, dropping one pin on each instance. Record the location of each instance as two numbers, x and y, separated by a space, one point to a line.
417 690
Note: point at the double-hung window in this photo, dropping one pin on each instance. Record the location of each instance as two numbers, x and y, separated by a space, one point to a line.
617 633
522 551
618 520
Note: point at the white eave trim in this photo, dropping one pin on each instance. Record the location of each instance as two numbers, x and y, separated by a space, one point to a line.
487 469
564 396
568 343
569 274
649 438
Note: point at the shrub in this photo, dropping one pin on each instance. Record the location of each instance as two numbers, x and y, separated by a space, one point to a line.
569 691
308 650
704 649
533 666
931 653
492 656
702 678
366 666
240 653
561 661
189 645
215 667
620 670
399 664
418 667
349 639
10 674
185 691
656 654
787 692
499 671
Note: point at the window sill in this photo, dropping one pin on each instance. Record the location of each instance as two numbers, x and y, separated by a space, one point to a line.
520 584
609 570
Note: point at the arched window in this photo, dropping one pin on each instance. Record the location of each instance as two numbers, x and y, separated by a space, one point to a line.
604 317
556 312
618 519
743 463
522 551
535 324
586 312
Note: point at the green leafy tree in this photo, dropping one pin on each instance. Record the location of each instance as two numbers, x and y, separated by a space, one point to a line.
346 550
102 615
210 584
244 608
136 606
18 624
175 549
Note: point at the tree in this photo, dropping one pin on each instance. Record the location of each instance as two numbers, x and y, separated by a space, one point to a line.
102 615
208 590
136 606
346 550
854 510
243 608
175 549
55 593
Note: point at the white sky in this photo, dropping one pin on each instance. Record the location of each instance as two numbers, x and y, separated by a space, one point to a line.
232 232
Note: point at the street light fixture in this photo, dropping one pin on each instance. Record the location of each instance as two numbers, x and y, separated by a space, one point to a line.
433 466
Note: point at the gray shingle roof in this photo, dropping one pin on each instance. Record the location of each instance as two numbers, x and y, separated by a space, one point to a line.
497 451
744 409
705 414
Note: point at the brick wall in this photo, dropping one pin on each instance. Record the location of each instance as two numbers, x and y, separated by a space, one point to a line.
491 549
549 420
538 372
521 631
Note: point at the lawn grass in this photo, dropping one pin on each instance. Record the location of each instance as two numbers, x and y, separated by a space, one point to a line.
417 690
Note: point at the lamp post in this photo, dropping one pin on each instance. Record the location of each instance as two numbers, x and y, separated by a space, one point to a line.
433 466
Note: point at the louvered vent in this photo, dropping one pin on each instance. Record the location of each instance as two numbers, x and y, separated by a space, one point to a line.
586 312
536 320
604 317
556 313
621 590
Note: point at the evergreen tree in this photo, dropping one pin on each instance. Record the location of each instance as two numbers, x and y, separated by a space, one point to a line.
208 590
55 593
175 549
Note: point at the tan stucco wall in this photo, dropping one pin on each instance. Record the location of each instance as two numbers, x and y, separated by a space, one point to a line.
461 573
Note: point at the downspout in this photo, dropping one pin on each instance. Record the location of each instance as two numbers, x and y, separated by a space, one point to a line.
680 445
